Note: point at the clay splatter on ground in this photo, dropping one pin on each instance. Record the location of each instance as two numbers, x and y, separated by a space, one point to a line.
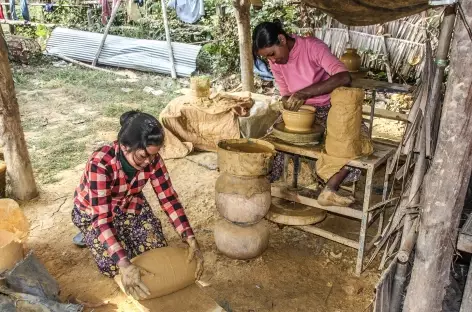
69 112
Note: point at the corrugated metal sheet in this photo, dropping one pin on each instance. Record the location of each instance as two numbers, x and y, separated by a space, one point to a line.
140 54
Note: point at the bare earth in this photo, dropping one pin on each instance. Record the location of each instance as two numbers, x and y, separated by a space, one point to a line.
64 121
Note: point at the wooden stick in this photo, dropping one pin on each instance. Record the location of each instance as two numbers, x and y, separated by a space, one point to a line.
386 59
173 73
408 244
68 59
24 23
105 34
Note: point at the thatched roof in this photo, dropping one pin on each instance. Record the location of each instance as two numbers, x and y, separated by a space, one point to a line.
368 12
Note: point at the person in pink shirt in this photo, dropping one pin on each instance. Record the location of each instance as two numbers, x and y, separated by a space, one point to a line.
306 72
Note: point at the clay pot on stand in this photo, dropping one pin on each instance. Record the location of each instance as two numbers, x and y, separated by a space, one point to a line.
351 60
243 197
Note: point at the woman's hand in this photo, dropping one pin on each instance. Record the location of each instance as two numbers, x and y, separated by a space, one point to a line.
294 102
131 280
195 253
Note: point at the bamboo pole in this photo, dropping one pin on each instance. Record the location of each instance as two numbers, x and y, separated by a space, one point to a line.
173 72
68 59
387 60
24 23
105 34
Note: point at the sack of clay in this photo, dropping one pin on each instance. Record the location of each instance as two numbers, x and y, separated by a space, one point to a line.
343 133
168 268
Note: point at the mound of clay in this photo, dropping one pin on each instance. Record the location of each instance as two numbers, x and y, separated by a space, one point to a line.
169 270
241 242
12 218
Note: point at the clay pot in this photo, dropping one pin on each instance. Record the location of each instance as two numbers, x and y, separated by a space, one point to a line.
241 242
243 200
245 157
11 250
351 60
301 121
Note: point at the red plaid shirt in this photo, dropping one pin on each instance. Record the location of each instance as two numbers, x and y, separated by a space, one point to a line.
103 188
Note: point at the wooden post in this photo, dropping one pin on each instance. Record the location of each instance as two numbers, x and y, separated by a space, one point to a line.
446 182
11 27
444 44
105 34
245 44
16 155
173 72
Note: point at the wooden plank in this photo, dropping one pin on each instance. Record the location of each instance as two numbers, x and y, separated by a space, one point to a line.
331 236
382 86
380 155
384 113
24 23
284 193
190 299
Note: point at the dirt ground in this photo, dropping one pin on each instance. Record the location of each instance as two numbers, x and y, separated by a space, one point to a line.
67 112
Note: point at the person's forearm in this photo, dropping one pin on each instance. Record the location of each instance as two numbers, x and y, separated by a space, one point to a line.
327 86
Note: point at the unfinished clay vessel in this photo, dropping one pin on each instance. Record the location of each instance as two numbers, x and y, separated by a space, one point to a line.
300 121
351 60
245 157
241 242
243 199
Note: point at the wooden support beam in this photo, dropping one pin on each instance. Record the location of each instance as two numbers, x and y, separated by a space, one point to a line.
24 23
242 11
383 113
446 183
105 34
173 72
15 151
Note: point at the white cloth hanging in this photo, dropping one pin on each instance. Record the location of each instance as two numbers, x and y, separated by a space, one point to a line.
188 11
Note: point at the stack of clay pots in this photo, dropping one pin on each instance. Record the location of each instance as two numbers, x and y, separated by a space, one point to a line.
243 197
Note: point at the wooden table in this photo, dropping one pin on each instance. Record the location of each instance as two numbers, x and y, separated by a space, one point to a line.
366 213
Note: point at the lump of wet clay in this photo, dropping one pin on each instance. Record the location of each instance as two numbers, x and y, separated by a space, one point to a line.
170 271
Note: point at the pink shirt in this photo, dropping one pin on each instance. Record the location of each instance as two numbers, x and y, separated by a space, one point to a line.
310 62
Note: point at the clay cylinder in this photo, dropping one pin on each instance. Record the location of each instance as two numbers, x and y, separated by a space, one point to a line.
241 242
11 250
168 268
300 121
242 199
245 157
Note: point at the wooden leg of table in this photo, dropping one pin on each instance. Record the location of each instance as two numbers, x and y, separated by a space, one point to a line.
285 170
384 195
372 109
364 221
296 170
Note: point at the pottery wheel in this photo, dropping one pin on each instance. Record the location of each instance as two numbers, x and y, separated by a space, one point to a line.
311 136
290 213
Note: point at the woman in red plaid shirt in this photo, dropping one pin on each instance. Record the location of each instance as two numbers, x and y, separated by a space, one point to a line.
111 211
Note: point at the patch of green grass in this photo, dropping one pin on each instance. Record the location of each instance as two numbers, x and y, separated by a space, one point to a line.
49 92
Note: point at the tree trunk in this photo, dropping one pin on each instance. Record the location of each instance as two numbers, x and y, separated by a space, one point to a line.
16 155
245 44
446 182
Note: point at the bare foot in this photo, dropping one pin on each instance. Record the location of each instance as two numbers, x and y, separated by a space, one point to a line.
328 197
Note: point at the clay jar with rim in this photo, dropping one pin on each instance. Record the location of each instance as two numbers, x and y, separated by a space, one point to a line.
300 121
351 60
243 200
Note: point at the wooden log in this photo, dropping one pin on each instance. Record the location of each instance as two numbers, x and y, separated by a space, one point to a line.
173 73
19 167
24 23
408 244
386 60
446 182
105 34
242 11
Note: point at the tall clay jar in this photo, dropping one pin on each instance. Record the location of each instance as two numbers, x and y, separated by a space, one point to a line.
351 60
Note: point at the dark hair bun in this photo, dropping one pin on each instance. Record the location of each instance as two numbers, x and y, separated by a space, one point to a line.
126 117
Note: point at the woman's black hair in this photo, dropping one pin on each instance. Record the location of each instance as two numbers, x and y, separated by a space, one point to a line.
139 130
266 35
